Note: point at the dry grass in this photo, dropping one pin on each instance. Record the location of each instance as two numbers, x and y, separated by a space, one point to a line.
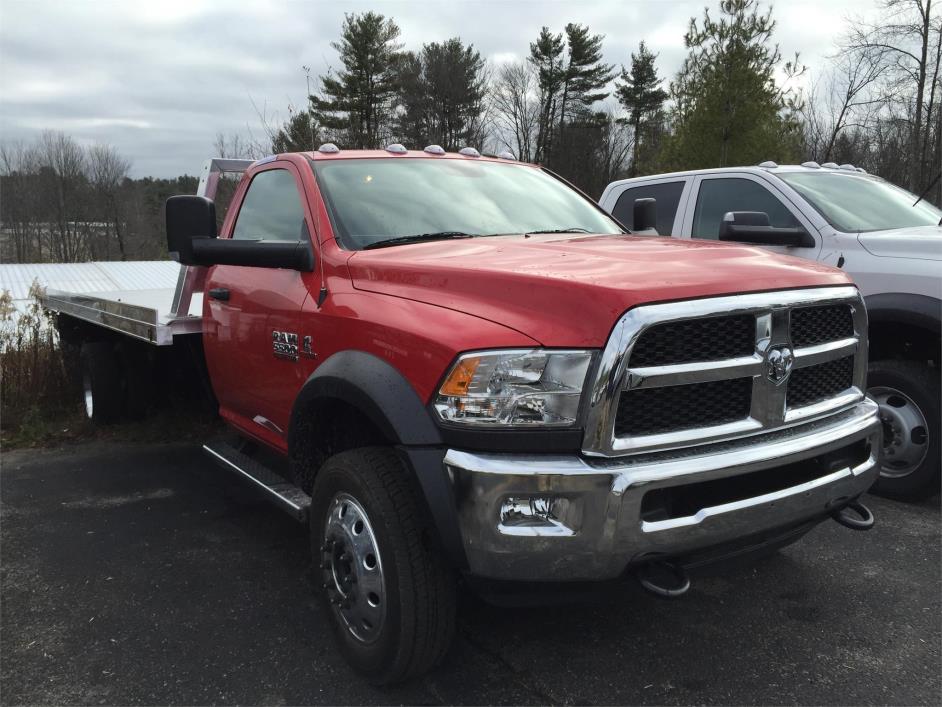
39 391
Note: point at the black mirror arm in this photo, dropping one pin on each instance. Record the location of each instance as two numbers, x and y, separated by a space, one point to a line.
260 254
767 235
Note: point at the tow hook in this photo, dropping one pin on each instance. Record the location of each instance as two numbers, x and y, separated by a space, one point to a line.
663 578
855 516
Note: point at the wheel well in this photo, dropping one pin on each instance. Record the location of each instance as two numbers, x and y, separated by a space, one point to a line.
890 339
325 427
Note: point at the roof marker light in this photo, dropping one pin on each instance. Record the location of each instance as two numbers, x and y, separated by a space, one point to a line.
768 164
328 148
811 165
849 167
505 155
861 170
830 165
469 152
396 149
434 150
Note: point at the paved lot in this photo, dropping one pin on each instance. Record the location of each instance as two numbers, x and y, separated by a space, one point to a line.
136 574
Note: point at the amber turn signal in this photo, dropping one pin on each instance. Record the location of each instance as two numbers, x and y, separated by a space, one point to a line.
459 379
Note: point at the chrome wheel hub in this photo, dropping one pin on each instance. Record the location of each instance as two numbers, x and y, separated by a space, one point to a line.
352 569
905 432
89 398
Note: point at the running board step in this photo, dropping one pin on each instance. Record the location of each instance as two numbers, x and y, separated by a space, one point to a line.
285 494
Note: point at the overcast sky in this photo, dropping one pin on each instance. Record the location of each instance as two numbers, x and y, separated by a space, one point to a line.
158 80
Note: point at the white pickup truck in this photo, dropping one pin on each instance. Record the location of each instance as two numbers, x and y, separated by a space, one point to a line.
886 238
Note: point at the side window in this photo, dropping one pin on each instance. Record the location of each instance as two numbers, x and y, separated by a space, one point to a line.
271 209
719 196
668 198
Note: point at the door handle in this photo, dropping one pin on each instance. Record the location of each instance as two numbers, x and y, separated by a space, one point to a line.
220 293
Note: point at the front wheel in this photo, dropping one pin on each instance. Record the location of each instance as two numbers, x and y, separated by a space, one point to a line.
389 594
908 395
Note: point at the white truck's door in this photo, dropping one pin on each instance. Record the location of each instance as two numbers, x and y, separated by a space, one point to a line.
713 195
672 194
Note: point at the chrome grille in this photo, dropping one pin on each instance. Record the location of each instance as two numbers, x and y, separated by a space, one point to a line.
815 325
647 411
816 383
680 374
707 339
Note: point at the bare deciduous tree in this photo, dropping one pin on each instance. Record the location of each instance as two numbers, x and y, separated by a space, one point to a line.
908 40
516 109
107 170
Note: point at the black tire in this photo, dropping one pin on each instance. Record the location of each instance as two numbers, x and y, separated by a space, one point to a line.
137 368
921 385
419 587
102 382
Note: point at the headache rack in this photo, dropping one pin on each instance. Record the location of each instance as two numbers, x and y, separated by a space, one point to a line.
154 315
686 373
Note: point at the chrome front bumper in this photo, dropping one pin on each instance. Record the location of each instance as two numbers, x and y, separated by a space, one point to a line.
538 517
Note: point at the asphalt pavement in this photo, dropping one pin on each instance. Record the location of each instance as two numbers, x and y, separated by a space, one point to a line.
143 574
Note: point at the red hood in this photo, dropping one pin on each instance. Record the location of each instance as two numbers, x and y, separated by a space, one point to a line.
570 290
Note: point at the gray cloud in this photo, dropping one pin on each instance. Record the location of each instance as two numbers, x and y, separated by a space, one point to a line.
160 80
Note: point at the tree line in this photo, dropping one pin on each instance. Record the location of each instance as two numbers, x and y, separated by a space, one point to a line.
735 100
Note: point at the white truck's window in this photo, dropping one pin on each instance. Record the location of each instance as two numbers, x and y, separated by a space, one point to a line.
271 209
718 196
668 198
857 202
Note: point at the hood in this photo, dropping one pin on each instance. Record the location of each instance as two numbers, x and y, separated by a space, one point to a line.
923 242
570 290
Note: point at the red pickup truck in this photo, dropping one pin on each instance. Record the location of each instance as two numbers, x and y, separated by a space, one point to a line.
471 371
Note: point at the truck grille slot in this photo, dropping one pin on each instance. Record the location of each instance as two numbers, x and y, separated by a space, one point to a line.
816 383
708 339
681 374
686 500
816 325
655 410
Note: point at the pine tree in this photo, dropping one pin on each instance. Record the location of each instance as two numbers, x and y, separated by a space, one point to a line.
441 95
640 94
728 108
584 76
356 104
546 55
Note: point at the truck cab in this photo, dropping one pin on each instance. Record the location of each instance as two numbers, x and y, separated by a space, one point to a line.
888 240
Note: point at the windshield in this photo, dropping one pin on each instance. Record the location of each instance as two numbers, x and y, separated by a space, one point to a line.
858 202
376 200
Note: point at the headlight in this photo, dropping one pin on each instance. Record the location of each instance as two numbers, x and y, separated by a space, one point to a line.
514 388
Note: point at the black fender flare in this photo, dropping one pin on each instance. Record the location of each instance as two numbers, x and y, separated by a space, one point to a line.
381 393
920 311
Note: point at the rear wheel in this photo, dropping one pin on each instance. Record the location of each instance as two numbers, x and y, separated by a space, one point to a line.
102 385
908 395
389 594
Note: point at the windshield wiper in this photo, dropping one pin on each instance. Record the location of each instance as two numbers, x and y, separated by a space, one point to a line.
437 236
928 188
574 229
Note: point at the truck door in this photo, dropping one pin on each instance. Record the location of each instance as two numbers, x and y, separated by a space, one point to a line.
714 196
252 314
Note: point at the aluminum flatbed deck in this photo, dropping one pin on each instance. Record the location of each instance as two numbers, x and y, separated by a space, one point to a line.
143 314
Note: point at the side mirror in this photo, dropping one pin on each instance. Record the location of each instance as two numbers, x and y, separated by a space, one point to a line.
645 216
188 217
753 227
191 240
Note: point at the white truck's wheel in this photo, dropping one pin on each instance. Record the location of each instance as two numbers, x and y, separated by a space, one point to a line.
389 593
908 395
